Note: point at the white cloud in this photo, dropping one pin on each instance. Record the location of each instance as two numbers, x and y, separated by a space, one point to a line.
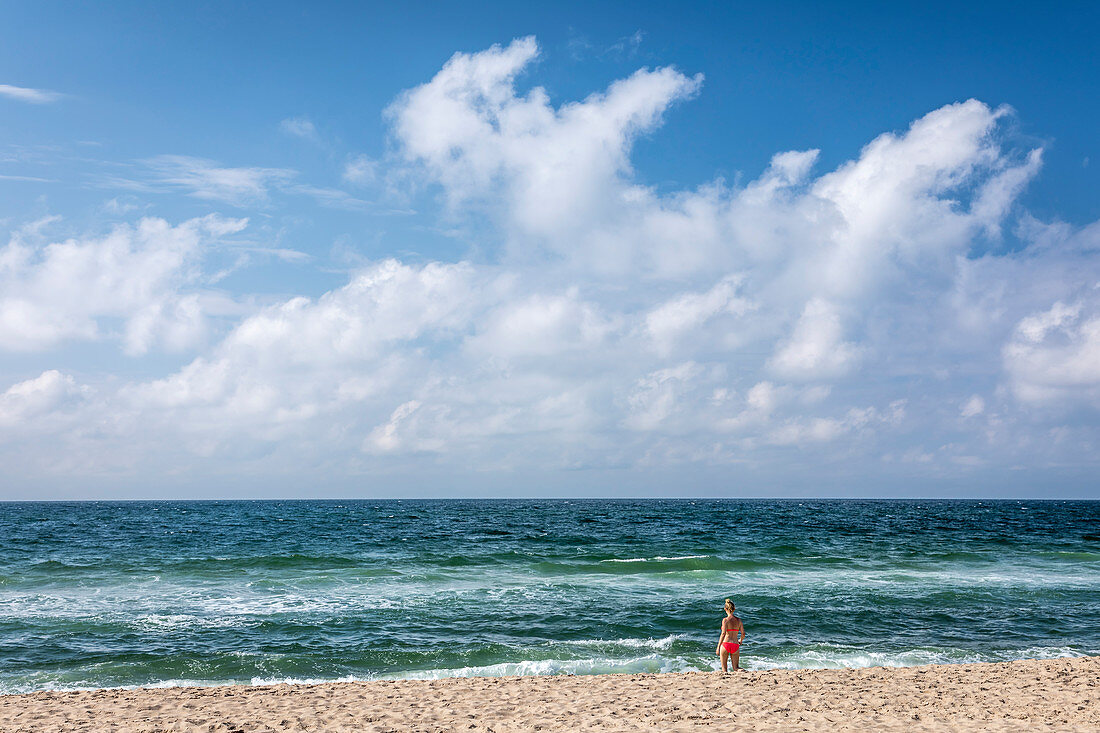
24 401
27 179
620 325
816 349
385 438
205 179
998 195
1054 356
25 94
551 175
1034 329
681 316
541 326
360 169
972 407
655 396
627 45
334 342
243 187
803 431
332 198
121 205
52 292
299 127
762 397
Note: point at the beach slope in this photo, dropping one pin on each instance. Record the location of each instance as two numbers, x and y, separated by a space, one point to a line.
1058 694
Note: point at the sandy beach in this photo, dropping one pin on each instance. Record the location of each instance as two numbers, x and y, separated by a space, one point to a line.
1059 694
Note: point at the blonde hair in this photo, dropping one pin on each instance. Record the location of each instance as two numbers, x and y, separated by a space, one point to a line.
730 606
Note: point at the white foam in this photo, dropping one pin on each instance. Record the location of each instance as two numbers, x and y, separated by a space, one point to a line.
543 667
306 680
164 622
825 657
846 658
53 686
664 643
658 558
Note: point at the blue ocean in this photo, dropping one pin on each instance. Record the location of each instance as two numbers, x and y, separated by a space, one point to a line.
204 593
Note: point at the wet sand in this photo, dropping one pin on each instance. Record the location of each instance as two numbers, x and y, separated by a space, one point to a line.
1059 694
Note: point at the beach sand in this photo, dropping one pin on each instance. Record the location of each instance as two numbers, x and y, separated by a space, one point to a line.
1059 694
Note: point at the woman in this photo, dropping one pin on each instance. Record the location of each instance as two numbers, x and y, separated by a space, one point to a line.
733 633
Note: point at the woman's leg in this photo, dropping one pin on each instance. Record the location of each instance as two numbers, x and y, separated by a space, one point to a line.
725 658
736 659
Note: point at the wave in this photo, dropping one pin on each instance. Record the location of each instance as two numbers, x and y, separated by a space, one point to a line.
809 659
178 621
849 658
287 572
656 564
256 681
179 610
822 657
52 686
665 643
365 566
650 663
660 558
1071 556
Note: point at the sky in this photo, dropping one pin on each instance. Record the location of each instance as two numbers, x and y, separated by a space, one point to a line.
498 249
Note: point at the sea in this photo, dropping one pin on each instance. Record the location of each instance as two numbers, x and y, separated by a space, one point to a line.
165 593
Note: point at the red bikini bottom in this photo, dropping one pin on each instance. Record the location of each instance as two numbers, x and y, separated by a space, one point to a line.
731 647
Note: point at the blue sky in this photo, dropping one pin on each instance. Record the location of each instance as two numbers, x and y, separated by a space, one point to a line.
574 249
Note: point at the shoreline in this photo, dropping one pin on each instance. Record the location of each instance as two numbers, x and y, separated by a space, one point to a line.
1061 694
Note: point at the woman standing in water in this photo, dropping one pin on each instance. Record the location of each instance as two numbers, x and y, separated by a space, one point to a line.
733 633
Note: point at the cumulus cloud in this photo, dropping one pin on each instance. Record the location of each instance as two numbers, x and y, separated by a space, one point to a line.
682 316
655 395
384 438
618 325
542 326
53 292
46 393
551 175
1054 355
817 430
343 343
816 349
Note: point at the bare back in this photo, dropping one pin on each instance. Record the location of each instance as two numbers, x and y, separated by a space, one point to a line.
732 628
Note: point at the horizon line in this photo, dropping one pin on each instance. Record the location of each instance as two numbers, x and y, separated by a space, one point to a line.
558 498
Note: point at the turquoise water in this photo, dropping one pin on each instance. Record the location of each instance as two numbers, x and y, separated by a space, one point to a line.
154 593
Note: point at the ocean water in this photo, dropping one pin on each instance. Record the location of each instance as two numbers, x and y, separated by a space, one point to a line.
168 593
